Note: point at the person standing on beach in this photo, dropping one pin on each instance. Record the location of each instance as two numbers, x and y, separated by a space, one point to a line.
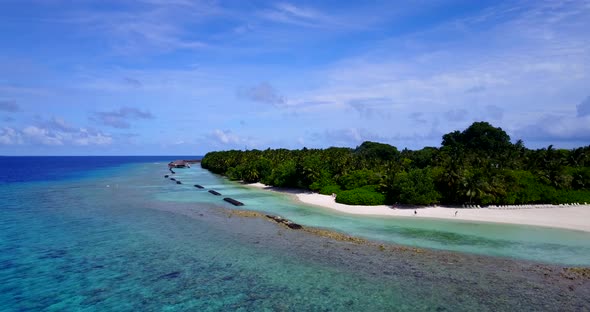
415 212
456 212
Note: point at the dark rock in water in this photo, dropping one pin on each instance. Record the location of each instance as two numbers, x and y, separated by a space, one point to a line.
293 225
170 275
166 176
198 186
178 182
278 219
173 179
290 224
214 192
233 201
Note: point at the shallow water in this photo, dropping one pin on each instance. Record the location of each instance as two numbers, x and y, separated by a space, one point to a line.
122 238
515 241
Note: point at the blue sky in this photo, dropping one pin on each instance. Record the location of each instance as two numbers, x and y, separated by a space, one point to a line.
150 77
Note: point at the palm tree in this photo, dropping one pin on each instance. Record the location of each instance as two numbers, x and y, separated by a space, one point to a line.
474 187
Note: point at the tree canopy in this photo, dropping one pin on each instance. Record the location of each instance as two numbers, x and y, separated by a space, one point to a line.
478 165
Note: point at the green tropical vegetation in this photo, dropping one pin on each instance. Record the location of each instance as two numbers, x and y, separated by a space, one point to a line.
479 165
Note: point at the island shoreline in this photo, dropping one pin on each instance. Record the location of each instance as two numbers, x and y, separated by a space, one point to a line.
559 217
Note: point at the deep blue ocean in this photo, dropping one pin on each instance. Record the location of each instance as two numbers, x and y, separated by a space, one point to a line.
112 234
28 169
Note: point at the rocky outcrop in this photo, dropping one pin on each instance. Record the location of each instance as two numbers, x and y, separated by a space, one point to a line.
293 225
233 201
288 223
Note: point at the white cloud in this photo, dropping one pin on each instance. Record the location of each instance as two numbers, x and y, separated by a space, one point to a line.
57 123
372 107
10 136
297 15
347 136
226 137
551 128
354 136
85 138
157 27
504 68
41 135
263 93
513 64
295 11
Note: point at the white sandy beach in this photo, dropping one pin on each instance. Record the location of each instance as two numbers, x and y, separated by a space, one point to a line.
567 217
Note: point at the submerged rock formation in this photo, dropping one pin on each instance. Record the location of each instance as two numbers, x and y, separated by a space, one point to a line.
233 201
288 223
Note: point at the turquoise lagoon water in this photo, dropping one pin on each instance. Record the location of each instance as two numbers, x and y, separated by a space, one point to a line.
116 236
524 242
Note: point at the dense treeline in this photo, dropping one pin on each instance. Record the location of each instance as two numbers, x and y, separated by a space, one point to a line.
478 165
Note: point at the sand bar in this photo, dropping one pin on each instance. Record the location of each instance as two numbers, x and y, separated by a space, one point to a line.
566 217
